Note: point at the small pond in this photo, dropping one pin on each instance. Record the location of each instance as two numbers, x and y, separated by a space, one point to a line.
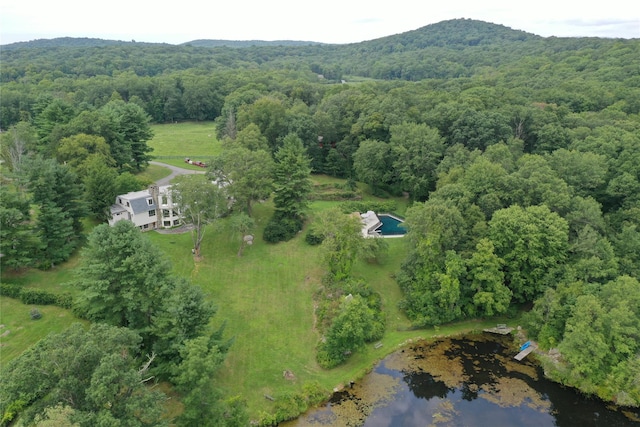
466 381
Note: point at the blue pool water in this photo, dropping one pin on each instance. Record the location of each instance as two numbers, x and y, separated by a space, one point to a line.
391 226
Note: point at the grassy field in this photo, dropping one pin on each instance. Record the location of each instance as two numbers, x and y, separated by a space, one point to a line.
154 173
267 299
19 332
266 296
196 140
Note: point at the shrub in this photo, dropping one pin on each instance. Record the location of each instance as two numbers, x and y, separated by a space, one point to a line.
290 406
37 296
327 359
281 229
11 291
64 300
314 393
314 237
368 205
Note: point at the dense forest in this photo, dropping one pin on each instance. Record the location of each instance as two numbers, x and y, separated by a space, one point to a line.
520 155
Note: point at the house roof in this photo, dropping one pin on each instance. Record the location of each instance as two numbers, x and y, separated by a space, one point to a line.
138 201
117 209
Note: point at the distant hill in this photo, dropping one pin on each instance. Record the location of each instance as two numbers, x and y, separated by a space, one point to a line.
454 32
75 42
248 43
448 49
95 42
457 32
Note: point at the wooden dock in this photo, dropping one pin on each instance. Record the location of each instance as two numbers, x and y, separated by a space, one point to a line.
501 329
524 353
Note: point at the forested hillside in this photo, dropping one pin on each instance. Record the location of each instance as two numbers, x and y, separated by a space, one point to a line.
520 156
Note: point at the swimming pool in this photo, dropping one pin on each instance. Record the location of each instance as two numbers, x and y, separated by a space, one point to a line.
391 225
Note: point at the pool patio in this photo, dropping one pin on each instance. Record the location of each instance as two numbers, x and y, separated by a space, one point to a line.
372 226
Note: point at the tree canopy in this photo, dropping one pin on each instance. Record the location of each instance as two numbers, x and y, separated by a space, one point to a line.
518 155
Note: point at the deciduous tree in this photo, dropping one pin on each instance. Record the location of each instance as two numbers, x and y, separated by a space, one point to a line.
491 296
200 202
246 175
95 373
416 151
342 241
78 150
202 400
532 242
242 224
372 163
349 331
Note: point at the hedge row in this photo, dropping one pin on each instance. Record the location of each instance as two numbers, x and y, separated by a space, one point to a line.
368 205
36 296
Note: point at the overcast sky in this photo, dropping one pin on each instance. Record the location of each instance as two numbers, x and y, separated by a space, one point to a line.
328 21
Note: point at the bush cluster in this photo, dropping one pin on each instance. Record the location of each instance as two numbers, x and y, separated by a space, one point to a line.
281 229
314 237
36 296
332 351
291 405
368 205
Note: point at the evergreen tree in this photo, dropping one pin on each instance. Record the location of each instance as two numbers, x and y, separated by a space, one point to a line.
291 178
17 240
125 281
100 188
58 194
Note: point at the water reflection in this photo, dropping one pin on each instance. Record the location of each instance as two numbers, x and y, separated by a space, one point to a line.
471 381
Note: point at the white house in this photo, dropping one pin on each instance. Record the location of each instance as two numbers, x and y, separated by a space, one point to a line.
148 209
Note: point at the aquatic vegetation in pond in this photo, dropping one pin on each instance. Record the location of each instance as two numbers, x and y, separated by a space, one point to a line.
470 381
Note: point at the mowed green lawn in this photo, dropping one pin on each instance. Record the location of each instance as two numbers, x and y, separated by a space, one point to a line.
266 297
18 332
196 140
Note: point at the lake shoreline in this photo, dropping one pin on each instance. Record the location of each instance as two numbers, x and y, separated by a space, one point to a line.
507 387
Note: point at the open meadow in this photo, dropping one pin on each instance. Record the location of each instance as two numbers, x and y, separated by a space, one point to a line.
265 297
173 142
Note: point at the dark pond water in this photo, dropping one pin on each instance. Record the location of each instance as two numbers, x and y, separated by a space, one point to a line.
470 381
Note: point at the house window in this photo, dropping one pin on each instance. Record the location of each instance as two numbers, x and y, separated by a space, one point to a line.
164 200
119 200
152 212
145 226
127 204
167 223
165 213
150 201
176 222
